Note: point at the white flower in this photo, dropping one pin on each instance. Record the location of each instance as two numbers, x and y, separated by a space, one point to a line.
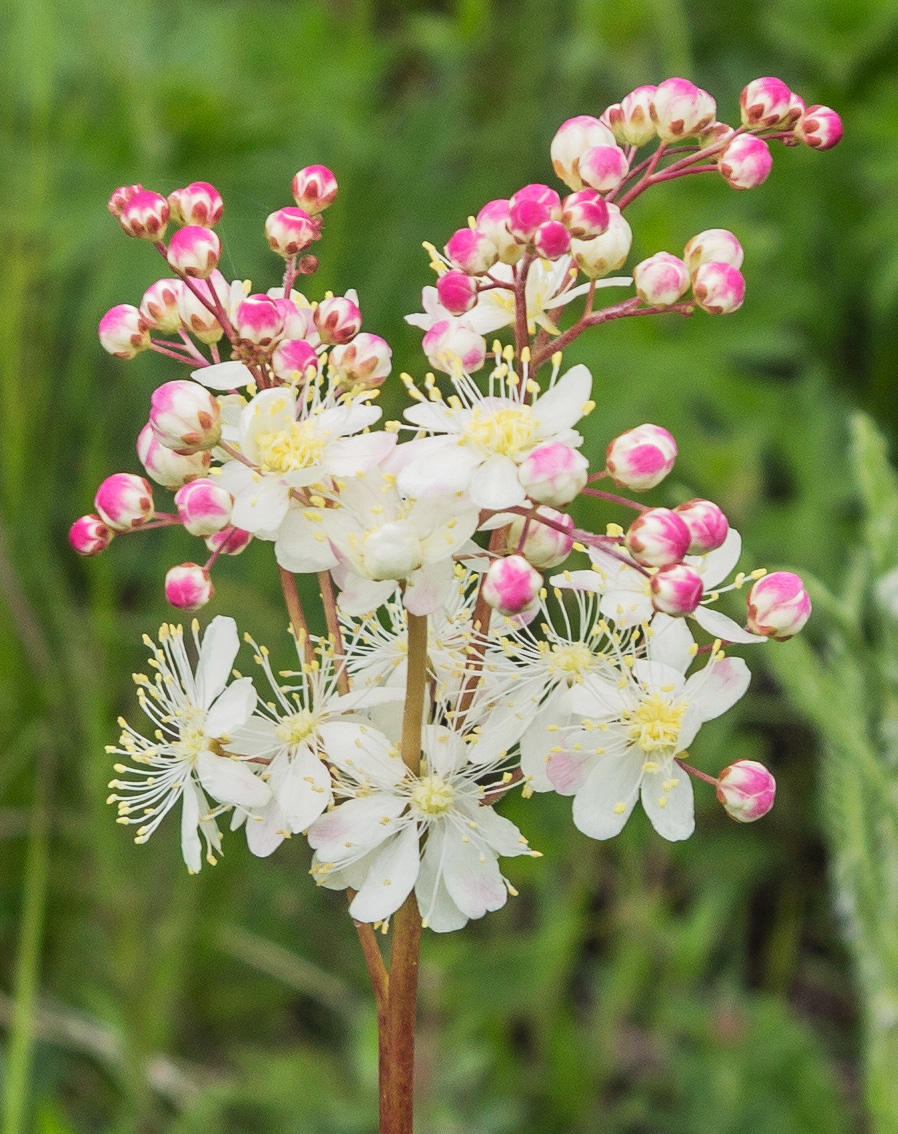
372 842
194 716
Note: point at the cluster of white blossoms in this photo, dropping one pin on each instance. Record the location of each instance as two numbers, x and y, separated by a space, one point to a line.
478 640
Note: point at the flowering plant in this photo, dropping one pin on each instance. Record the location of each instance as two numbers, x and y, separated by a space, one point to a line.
477 639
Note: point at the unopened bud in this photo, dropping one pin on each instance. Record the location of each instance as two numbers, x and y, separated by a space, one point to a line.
492 221
511 585
124 501
293 359
314 188
123 331
747 790
160 305
572 139
657 538
745 163
542 546
392 551
121 196
718 288
603 168
584 214
165 466
778 606
185 417
713 244
145 215
642 457
708 526
299 321
819 127
766 102
366 361
525 217
631 119
608 251
195 315
337 320
661 279
450 344
472 251
258 321
188 586
197 204
676 590
204 507
194 250
542 195
552 240
457 291
230 541
89 535
680 110
553 473
290 231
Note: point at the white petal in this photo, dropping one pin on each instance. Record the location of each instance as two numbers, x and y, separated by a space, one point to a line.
266 831
671 642
716 565
223 375
262 506
231 781
255 738
232 709
217 653
302 546
363 752
567 770
718 687
351 455
445 750
429 587
391 877
304 790
355 827
362 596
471 874
441 469
604 802
438 910
496 484
501 834
191 847
562 405
724 628
671 811
537 741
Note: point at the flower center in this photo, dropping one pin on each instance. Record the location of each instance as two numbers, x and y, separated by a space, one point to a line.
432 796
192 740
574 658
504 431
656 723
295 729
285 450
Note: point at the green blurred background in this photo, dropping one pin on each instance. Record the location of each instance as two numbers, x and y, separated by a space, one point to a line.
633 986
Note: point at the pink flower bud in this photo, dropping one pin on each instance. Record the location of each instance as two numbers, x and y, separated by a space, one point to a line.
123 331
553 473
314 188
292 359
745 162
204 507
290 230
746 789
196 316
661 279
89 535
185 417
765 102
160 305
124 501
680 109
718 288
366 361
572 139
778 606
713 244
542 195
492 221
641 458
165 466
543 546
145 215
449 343
194 250
604 168
188 586
525 217
657 538
676 590
337 320
707 525
299 322
631 119
584 214
121 196
819 127
457 291
552 240
258 320
230 541
471 251
608 251
511 585
198 204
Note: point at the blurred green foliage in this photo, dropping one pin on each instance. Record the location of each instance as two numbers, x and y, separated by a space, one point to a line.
633 987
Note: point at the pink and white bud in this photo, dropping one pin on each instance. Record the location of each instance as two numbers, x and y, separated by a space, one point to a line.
197 204
766 102
145 215
195 315
713 244
314 188
299 321
124 501
641 458
188 586
525 217
631 119
392 551
123 331
366 361
552 240
572 139
747 790
746 161
718 288
553 473
195 251
542 194
584 214
717 132
680 110
204 507
603 168
676 590
778 606
185 417
511 585
89 535
492 221
290 230
472 251
608 251
707 525
657 538
230 541
661 279
819 127
293 359
121 196
165 466
457 291
449 344
337 320
543 546
258 320
160 306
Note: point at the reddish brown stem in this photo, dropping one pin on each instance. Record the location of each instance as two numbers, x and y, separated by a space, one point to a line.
295 611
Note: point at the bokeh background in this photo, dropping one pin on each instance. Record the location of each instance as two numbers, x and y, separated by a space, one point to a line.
633 987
